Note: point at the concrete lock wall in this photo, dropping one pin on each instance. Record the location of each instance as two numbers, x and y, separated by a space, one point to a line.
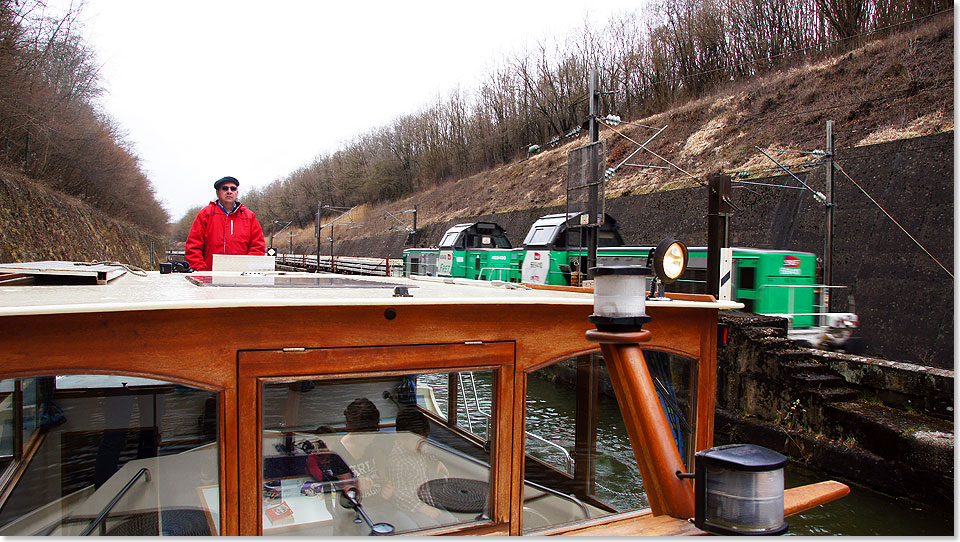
904 299
884 424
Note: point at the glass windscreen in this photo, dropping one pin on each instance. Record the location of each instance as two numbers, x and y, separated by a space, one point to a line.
579 460
540 236
377 455
449 239
108 455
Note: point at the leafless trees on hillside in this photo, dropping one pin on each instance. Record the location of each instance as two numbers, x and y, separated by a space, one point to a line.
673 51
50 127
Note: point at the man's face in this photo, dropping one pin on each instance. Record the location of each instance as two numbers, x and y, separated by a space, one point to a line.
227 194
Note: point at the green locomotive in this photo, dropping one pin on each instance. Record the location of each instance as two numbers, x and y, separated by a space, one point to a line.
553 252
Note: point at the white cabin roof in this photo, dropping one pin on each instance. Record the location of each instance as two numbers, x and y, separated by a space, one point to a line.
222 289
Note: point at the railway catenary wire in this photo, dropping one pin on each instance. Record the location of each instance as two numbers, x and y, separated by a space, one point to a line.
904 230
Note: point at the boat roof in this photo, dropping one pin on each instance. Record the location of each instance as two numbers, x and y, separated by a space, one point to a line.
222 289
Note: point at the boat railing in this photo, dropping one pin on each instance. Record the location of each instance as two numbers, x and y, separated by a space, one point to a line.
820 291
567 458
100 521
498 273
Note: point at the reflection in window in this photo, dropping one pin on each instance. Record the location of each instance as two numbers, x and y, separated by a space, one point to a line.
361 455
570 477
84 438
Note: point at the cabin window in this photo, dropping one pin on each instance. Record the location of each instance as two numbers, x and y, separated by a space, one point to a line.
71 444
573 238
746 277
579 462
609 238
412 450
541 236
449 238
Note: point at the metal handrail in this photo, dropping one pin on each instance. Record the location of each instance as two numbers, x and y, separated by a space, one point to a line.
500 272
568 459
101 518
556 493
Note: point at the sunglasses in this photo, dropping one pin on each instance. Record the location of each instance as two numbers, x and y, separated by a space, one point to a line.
230 188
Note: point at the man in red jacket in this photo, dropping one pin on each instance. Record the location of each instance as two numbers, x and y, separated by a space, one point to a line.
223 227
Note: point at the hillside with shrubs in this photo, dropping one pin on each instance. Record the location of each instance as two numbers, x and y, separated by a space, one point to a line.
52 129
720 77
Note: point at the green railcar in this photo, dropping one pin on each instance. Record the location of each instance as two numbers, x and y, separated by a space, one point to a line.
771 282
774 282
554 250
472 250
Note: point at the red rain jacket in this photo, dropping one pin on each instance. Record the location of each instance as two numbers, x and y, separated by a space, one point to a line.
215 232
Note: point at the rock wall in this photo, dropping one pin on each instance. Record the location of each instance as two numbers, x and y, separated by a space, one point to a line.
38 224
904 299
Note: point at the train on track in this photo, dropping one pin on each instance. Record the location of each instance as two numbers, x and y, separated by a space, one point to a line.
553 252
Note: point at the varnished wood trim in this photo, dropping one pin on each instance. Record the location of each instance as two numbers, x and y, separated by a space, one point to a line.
248 461
706 384
504 440
517 457
536 367
229 468
798 499
365 360
257 367
619 338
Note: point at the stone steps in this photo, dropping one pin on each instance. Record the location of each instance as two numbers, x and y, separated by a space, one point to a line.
921 441
817 379
836 394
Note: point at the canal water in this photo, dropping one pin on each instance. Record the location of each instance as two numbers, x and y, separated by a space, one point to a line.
862 512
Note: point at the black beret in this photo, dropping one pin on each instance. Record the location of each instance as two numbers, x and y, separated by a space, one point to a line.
222 180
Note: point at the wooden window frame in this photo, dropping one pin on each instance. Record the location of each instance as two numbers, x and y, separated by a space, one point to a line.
257 367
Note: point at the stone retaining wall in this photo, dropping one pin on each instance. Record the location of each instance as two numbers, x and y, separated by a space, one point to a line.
883 424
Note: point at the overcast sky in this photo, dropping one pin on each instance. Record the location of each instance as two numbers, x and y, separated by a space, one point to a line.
258 89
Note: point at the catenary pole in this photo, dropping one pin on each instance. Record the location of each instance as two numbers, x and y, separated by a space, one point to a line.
592 230
319 205
828 241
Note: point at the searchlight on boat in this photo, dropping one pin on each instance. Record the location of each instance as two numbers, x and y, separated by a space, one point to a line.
669 260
